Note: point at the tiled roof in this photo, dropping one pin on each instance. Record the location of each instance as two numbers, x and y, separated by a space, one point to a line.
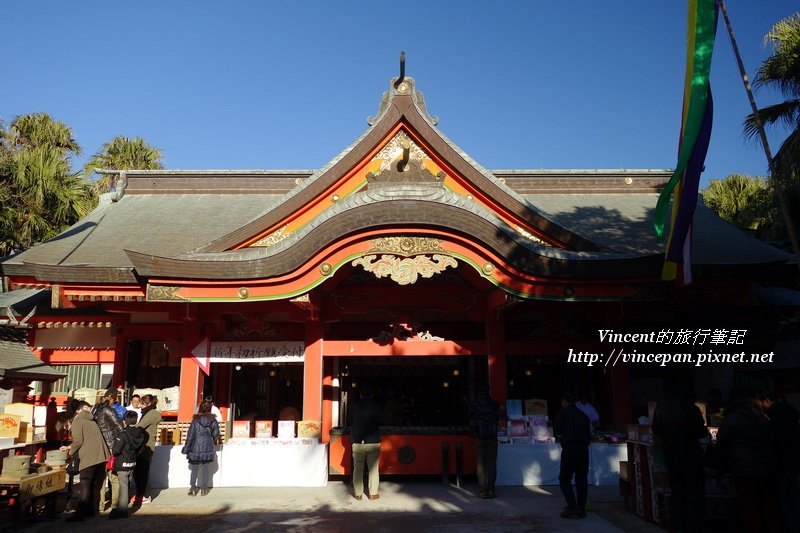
17 361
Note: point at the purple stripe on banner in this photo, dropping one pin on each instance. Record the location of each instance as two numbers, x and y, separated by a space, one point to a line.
691 183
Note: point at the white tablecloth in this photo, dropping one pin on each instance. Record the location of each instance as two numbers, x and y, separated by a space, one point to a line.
248 463
538 464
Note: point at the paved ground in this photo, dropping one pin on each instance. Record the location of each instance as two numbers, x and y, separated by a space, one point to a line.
416 506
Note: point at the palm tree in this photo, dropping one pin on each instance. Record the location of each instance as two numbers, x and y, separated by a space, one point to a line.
782 70
122 153
745 201
40 195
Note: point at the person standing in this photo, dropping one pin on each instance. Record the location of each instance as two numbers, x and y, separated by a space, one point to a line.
571 427
783 419
199 448
484 416
126 447
366 444
135 406
679 423
110 426
149 424
746 442
90 447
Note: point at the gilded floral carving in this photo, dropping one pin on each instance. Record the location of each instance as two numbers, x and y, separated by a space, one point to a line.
161 293
273 238
406 246
405 271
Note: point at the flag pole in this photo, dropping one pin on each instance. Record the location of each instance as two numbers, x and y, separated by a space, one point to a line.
782 202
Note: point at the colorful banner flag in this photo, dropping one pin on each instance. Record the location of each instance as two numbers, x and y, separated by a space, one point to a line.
693 144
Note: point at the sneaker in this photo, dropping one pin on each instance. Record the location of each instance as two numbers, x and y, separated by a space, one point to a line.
116 514
192 492
358 496
483 493
491 494
374 496
205 492
145 499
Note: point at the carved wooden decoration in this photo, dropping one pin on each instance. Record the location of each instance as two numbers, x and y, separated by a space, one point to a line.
405 271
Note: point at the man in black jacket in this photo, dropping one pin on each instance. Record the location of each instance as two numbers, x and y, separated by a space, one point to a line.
366 444
571 427
110 427
680 425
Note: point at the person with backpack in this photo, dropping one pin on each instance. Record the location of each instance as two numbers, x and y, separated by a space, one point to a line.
199 447
126 448
484 417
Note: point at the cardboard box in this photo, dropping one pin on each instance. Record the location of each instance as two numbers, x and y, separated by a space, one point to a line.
536 406
286 429
309 429
263 429
10 426
242 429
23 410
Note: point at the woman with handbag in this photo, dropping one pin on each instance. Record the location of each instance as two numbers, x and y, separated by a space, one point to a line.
199 448
90 450
149 424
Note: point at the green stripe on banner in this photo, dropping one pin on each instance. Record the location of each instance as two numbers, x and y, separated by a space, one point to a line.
704 46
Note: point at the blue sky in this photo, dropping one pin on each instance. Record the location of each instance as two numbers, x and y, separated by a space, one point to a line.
289 84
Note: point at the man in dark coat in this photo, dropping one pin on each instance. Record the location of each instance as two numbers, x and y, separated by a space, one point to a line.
747 444
783 419
679 423
110 426
571 427
484 414
366 444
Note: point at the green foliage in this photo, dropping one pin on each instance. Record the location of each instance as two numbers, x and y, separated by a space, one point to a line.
781 70
747 202
39 196
122 153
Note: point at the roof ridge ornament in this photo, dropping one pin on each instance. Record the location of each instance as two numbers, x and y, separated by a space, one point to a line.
402 86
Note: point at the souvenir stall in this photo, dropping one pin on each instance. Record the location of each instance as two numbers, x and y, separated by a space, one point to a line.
528 454
258 449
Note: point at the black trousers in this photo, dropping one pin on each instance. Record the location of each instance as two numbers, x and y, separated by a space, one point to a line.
687 485
574 462
142 471
90 478
486 459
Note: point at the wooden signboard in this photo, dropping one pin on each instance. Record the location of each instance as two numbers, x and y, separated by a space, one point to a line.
42 484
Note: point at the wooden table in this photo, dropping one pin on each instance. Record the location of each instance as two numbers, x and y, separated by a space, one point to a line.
23 491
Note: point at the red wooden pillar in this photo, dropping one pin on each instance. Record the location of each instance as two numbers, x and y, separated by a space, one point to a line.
119 377
327 398
312 370
496 348
191 384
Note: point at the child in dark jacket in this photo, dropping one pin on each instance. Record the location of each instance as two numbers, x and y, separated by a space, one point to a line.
126 447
